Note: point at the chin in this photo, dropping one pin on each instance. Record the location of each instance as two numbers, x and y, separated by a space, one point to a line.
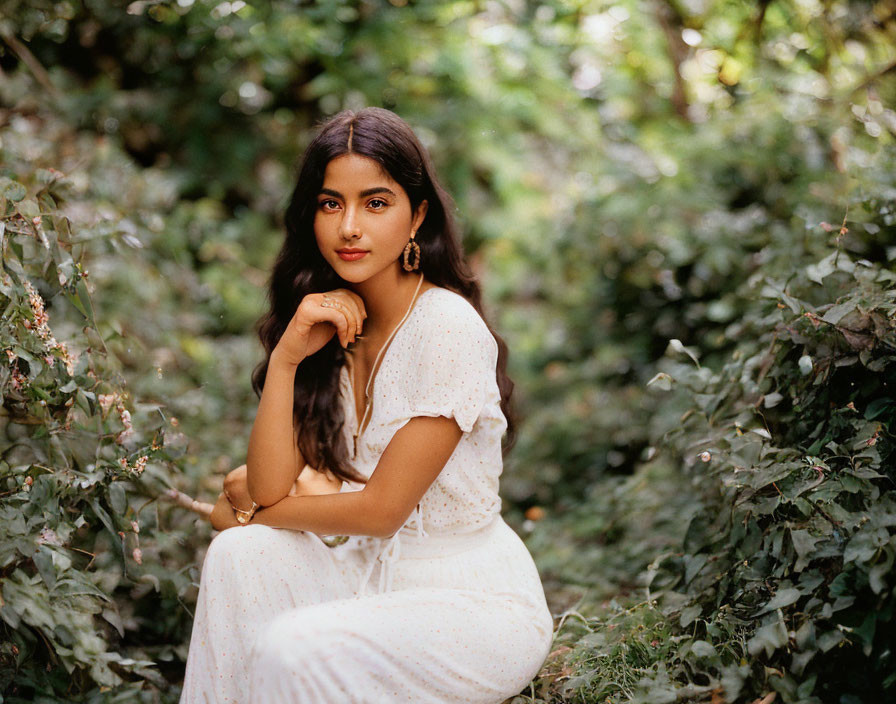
354 275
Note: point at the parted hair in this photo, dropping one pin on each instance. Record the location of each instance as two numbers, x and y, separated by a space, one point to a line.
300 269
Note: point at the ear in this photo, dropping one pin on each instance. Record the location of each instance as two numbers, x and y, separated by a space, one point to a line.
419 215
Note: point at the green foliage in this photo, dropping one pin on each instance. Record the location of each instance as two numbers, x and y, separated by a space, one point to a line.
767 562
793 443
76 465
655 192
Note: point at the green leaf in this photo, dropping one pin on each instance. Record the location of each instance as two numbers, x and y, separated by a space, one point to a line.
12 190
104 518
783 597
768 638
804 544
878 407
837 312
43 560
689 614
703 649
118 500
829 639
661 381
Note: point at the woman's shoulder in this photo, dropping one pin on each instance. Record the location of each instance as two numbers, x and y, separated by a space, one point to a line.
446 319
450 312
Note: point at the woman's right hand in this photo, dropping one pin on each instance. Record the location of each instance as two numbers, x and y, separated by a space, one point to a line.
313 324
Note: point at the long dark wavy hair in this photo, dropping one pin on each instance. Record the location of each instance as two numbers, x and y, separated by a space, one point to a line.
300 269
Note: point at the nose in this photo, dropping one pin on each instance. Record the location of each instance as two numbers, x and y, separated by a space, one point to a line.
348 226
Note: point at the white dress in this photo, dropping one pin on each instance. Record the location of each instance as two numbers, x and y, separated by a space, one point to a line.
449 609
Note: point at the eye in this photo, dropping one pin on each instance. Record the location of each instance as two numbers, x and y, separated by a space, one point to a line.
328 204
377 204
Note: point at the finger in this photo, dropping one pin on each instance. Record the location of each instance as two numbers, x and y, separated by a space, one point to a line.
349 304
342 299
333 311
359 307
348 319
342 324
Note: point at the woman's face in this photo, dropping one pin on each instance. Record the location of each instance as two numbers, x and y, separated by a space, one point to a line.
361 208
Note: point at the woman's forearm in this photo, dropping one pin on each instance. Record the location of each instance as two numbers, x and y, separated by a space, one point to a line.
345 513
273 459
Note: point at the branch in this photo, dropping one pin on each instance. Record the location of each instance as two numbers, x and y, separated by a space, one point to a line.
877 75
27 58
671 21
184 501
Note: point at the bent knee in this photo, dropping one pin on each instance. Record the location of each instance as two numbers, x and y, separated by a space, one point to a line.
236 542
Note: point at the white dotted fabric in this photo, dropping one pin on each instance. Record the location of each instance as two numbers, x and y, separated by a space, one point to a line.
448 610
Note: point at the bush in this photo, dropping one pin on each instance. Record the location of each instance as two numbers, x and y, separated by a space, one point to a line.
84 460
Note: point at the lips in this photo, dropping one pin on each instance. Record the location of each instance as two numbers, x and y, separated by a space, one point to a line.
350 254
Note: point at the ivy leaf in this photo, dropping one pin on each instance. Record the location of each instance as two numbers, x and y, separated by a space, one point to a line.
837 312
661 381
828 640
12 190
677 346
804 544
784 597
768 638
817 272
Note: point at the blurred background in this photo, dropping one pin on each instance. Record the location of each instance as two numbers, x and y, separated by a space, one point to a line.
682 213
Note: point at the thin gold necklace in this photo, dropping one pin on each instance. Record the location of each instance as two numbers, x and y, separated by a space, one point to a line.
367 397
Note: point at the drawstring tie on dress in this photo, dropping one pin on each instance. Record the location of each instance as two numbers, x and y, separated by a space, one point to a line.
388 556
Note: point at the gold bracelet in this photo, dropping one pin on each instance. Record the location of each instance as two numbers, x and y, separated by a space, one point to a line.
242 516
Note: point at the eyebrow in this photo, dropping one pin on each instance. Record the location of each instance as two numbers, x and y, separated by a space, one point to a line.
364 193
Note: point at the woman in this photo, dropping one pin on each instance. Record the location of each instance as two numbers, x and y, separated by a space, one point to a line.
391 438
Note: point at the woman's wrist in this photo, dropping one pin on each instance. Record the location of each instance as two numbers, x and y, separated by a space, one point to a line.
243 515
222 515
281 361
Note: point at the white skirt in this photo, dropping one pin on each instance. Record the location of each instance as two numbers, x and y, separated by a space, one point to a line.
282 617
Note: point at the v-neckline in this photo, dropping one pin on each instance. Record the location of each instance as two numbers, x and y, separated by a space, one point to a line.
349 365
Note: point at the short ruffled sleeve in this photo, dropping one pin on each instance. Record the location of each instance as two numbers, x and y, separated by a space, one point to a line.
452 372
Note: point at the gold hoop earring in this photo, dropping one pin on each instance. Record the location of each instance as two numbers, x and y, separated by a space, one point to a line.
410 247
